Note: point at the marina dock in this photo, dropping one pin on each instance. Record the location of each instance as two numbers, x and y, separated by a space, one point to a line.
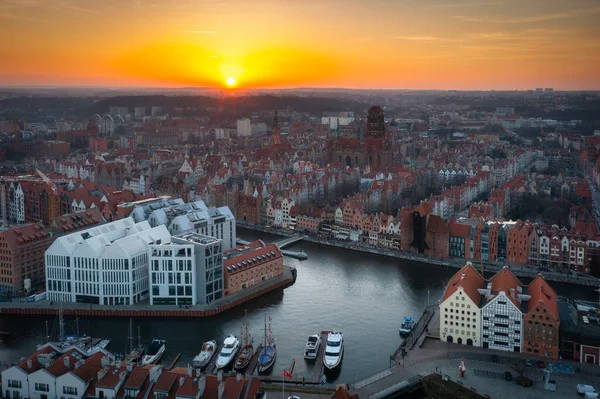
252 365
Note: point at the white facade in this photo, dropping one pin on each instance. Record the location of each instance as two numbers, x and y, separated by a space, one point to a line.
501 325
460 319
193 217
15 383
244 127
16 203
107 264
187 271
286 205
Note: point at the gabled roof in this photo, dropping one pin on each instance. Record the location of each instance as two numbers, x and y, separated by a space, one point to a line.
541 292
470 280
504 281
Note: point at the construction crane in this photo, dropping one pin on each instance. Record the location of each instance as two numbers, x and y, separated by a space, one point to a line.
46 180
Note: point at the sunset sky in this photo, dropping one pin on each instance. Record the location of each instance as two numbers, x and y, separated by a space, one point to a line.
394 44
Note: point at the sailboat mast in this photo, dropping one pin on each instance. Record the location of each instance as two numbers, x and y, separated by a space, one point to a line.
130 335
265 337
139 338
247 338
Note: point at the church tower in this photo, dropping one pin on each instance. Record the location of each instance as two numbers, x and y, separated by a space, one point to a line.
275 131
376 122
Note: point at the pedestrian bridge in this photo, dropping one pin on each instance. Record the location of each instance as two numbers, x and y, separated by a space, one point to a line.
288 241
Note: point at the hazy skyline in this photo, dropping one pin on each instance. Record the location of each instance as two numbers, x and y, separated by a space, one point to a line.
388 44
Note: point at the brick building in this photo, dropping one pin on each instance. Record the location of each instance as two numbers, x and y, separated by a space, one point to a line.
22 252
247 266
248 208
541 323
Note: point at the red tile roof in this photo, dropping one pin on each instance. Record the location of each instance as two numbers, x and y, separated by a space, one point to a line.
254 256
136 378
505 280
35 364
23 235
470 280
111 378
541 293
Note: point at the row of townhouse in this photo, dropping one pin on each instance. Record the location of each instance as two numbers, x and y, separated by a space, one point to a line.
500 313
76 374
524 243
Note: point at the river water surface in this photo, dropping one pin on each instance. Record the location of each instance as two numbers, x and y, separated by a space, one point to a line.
362 295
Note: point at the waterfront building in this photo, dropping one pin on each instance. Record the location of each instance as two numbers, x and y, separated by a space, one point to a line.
106 265
80 373
502 312
15 379
188 270
251 264
22 259
460 315
188 217
541 324
579 332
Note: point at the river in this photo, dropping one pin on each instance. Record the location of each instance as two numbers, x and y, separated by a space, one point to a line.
365 296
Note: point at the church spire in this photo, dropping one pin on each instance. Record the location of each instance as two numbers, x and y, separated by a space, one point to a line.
275 131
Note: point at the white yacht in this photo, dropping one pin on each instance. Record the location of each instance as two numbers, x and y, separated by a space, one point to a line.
334 350
311 350
231 346
206 354
154 352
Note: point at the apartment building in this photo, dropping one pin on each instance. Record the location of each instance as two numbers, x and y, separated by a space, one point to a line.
542 321
188 270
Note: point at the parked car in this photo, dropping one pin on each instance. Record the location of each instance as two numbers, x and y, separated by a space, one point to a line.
494 358
508 376
582 389
528 363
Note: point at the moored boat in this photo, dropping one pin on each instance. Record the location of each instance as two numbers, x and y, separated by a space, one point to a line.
231 346
154 352
135 353
245 355
268 353
407 325
334 350
206 354
311 350
101 345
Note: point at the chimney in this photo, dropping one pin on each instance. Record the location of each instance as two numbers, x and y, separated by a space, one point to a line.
201 386
118 364
221 390
512 293
181 381
102 373
238 377
29 363
129 367
66 361
104 361
189 370
220 375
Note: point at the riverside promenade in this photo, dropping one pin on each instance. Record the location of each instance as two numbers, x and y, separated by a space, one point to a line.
144 309
456 263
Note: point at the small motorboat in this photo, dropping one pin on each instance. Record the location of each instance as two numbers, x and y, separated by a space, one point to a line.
206 354
407 325
334 350
231 346
154 352
311 350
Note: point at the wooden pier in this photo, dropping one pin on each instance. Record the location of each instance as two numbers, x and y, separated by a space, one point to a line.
174 361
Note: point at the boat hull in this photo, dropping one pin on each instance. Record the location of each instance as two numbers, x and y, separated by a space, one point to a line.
333 365
154 358
205 356
266 366
244 357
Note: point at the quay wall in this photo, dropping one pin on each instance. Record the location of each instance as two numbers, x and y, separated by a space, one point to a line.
457 263
44 308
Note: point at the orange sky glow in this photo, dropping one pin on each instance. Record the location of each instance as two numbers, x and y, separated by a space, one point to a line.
387 44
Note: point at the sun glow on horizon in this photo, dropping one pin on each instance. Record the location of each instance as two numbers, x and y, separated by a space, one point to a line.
230 81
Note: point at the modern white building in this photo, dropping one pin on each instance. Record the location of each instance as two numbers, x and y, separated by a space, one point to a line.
502 312
244 127
460 315
188 217
106 265
186 271
16 203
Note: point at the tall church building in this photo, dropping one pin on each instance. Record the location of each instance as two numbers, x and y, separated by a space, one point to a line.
373 147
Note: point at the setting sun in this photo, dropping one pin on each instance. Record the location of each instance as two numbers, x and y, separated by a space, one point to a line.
230 81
